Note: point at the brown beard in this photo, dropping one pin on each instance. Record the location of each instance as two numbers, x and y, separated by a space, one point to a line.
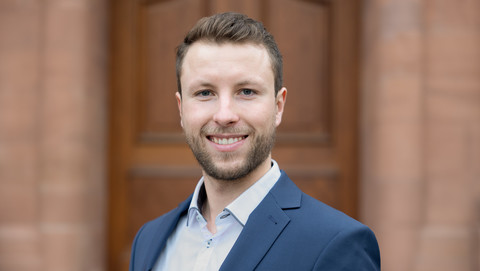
257 154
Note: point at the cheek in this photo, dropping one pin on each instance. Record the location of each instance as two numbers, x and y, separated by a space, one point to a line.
261 115
193 116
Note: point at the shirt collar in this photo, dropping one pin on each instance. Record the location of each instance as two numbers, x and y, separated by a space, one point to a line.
194 209
243 205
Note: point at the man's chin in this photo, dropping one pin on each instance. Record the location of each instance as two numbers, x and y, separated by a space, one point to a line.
226 171
228 176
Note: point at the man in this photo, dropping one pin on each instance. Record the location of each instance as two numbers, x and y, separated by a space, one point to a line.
245 214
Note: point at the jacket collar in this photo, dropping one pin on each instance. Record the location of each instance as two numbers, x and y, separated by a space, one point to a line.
263 227
160 237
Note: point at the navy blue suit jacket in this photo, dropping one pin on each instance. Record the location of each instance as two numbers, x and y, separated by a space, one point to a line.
288 230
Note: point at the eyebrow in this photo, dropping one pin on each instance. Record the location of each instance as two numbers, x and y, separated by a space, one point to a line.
203 84
246 82
206 84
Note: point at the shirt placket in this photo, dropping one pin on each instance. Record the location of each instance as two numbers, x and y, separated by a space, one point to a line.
205 253
204 258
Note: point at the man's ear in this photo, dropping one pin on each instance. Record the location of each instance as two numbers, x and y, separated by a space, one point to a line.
178 96
280 101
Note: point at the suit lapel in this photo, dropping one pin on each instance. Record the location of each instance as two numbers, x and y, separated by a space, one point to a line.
159 239
263 227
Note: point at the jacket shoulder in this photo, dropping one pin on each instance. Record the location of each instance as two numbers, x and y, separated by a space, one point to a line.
321 214
329 238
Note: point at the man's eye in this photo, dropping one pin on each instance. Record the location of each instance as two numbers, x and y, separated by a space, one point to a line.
247 92
204 93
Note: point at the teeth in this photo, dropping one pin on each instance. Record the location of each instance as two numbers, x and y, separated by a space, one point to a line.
225 141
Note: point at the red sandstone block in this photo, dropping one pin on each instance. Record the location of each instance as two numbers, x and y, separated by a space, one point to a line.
447 150
400 202
64 203
396 154
453 106
397 246
451 202
70 248
400 97
18 203
19 248
453 14
446 248
18 161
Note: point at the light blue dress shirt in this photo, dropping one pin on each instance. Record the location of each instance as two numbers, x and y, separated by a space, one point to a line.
192 247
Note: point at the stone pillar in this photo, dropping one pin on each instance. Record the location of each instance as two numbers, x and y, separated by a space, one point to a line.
393 127
421 132
449 237
53 85
20 42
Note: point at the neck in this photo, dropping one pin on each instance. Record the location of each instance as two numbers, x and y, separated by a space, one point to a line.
220 193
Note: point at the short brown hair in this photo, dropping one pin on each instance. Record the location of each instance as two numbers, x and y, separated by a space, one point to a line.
235 28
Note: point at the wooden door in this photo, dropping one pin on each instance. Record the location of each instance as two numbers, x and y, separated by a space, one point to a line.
152 168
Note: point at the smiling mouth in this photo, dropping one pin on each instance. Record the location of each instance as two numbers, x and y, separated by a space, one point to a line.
224 140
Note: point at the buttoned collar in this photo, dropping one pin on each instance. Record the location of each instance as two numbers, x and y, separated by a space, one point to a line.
243 205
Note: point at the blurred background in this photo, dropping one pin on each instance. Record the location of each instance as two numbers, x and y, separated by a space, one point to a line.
382 122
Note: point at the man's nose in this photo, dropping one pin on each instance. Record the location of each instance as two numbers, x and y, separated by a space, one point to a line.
226 113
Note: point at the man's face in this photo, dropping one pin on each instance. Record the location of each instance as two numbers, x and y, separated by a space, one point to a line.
228 108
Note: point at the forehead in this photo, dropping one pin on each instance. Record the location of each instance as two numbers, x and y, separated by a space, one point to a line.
205 56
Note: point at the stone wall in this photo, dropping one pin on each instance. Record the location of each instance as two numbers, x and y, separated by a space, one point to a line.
421 132
449 234
53 85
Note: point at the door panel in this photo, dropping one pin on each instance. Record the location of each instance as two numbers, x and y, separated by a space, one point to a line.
152 169
303 41
161 26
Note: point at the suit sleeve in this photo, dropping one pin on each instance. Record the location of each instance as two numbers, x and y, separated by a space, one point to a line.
355 250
